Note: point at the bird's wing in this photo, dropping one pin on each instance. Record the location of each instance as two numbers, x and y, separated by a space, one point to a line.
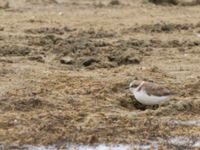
156 90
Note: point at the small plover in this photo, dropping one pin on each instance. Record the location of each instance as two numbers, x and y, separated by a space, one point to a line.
148 93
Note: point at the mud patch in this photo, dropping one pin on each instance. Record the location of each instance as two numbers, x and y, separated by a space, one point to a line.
5 71
132 104
89 48
38 58
1 28
98 48
47 30
162 27
43 2
192 88
24 105
14 50
180 106
97 33
164 2
4 5
114 2
176 2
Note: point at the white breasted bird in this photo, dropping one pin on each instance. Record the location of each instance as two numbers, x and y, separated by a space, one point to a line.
148 93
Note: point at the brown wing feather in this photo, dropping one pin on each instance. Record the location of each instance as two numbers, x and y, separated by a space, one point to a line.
156 90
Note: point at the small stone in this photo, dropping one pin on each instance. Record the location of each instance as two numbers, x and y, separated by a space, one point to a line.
37 58
67 60
114 2
60 13
89 61
1 28
67 29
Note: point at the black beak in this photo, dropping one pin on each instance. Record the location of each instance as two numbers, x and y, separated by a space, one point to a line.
127 88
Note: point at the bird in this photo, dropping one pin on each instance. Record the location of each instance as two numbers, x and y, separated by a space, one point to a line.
148 93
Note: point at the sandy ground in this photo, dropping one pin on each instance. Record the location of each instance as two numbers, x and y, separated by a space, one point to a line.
64 67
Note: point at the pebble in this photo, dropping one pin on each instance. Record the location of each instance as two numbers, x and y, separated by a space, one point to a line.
67 60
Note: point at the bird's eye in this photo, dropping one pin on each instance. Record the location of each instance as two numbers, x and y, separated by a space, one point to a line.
133 85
